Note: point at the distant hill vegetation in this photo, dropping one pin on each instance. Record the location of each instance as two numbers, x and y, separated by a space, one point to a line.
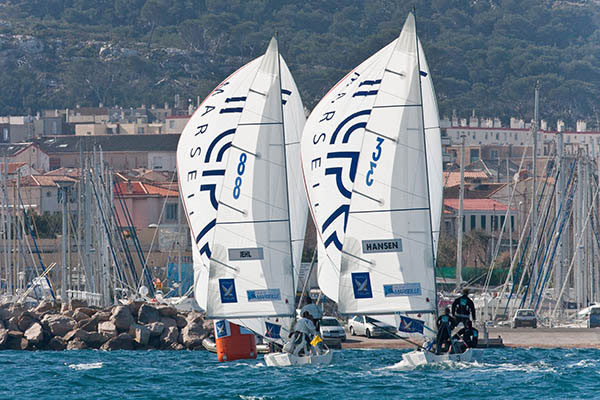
484 54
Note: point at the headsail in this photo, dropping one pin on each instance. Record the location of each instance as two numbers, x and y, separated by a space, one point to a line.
252 270
201 161
371 214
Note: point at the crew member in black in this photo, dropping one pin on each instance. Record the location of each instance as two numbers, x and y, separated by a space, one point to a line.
468 335
445 324
462 307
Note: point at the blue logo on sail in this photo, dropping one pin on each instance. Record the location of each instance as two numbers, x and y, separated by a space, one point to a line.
227 289
411 325
361 283
221 329
273 330
402 289
264 295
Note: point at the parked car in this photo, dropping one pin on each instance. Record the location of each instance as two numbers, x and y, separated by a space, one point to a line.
364 325
332 332
524 317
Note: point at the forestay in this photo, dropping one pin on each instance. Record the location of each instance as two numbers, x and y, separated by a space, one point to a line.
252 271
387 256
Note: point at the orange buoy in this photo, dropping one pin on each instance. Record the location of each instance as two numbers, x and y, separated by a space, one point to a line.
233 341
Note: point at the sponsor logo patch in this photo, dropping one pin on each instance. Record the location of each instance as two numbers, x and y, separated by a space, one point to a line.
255 253
222 329
402 289
227 289
382 246
264 295
273 331
411 325
361 283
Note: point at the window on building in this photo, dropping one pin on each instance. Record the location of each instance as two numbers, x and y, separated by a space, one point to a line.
157 162
473 155
483 221
473 222
54 127
5 134
463 223
171 124
494 154
171 211
497 136
448 227
140 130
502 219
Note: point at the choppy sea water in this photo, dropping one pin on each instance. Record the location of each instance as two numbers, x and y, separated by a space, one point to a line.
354 374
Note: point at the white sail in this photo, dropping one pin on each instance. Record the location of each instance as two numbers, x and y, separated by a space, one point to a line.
252 272
387 260
433 142
201 161
330 148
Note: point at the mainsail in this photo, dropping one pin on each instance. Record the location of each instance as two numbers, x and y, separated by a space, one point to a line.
247 119
365 168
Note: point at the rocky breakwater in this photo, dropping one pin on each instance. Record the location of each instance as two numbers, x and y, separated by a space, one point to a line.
135 326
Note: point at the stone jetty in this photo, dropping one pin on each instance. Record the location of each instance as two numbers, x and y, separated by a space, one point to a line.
74 326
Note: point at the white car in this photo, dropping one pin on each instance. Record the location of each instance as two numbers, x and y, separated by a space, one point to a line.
332 332
524 317
364 325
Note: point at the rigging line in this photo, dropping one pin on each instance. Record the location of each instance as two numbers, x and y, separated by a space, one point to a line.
575 250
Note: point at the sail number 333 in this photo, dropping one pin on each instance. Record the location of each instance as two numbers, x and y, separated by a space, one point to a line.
240 170
375 157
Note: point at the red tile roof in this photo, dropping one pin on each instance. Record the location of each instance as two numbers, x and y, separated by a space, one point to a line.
45 180
452 178
477 204
137 188
12 167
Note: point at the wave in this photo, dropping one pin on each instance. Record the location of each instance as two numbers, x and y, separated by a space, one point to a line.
85 366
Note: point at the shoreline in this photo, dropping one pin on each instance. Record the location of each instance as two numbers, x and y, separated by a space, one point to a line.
543 338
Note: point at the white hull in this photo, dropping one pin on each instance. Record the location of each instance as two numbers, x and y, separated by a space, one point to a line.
287 359
417 357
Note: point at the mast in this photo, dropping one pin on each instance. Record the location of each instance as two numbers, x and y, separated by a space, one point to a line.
460 214
287 193
558 273
534 191
426 164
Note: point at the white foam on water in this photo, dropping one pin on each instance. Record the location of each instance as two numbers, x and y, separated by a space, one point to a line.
85 366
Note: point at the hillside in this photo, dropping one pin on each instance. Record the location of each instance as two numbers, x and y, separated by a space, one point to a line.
484 54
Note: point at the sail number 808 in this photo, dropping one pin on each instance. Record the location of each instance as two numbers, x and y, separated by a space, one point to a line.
374 157
241 168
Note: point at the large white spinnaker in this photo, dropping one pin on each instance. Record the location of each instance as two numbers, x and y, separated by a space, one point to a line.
387 261
201 161
330 148
202 158
252 271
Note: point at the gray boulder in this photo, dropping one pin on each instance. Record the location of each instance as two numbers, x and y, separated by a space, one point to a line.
16 341
86 310
156 328
194 332
3 337
35 334
25 320
122 342
76 344
75 303
167 311
58 324
169 336
180 321
13 324
134 306
148 314
168 321
140 334
95 340
79 316
122 318
57 343
45 306
107 328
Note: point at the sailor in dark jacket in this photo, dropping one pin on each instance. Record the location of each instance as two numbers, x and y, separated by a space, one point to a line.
469 335
463 307
445 324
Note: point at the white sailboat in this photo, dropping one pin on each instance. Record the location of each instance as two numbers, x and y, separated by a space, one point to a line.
243 196
366 162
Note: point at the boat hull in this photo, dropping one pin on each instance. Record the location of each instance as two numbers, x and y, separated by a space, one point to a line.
287 359
417 357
